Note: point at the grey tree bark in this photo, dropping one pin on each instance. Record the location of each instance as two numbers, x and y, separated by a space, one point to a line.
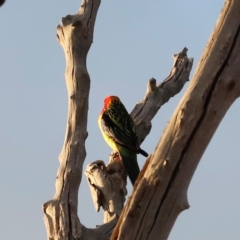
160 193
108 183
75 35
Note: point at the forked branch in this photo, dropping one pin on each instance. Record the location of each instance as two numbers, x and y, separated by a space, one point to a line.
161 191
108 184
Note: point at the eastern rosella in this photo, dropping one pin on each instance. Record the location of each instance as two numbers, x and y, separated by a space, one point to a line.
118 130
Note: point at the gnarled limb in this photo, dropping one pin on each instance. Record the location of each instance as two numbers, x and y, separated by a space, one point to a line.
75 36
108 184
108 187
161 191
158 95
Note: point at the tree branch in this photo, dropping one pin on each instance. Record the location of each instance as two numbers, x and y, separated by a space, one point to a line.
75 36
108 184
161 191
108 188
158 95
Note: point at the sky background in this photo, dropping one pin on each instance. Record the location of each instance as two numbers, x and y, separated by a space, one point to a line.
133 41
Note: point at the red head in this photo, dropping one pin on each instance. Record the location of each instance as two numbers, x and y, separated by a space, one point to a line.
108 99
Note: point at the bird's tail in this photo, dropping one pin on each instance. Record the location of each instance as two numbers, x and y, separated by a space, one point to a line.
129 160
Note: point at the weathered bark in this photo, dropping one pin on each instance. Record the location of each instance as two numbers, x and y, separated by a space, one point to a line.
108 184
158 95
75 36
108 187
161 191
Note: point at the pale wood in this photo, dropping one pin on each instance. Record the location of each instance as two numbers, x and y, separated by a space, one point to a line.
108 183
161 191
75 36
157 95
108 188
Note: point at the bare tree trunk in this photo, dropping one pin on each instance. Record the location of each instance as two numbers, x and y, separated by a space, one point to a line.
75 36
161 192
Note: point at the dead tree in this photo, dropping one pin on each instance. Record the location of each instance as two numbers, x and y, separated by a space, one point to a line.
160 192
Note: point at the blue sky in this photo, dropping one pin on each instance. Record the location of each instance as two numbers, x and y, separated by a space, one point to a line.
133 41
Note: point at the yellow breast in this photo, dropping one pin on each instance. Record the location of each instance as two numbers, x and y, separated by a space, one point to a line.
109 140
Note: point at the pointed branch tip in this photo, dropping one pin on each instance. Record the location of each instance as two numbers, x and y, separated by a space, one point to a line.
152 85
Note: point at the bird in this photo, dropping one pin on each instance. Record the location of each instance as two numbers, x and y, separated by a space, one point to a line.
119 131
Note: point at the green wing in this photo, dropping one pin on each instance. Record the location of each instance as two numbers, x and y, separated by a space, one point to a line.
121 127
